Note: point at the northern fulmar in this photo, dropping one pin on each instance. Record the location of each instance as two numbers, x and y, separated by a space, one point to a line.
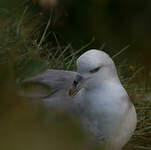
96 94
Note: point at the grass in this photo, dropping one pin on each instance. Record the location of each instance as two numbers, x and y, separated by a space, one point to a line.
141 138
30 46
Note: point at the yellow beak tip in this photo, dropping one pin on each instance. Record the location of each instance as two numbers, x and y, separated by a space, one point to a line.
70 92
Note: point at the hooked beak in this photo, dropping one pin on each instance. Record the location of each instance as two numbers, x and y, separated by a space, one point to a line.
77 85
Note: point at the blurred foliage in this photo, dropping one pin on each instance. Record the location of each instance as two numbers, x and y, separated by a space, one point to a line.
33 67
25 124
34 32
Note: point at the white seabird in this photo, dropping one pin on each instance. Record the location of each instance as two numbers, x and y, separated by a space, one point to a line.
107 115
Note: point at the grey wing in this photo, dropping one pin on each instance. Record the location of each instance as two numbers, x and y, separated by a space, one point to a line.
59 81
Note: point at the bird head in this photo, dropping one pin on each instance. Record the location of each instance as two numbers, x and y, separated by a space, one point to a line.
94 67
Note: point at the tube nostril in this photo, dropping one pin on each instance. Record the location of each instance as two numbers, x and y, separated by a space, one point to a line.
75 82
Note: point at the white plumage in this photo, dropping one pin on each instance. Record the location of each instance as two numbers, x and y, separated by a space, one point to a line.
107 115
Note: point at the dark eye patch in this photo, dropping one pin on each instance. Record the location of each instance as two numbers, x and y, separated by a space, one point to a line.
95 70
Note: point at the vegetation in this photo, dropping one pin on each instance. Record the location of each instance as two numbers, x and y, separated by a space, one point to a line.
29 44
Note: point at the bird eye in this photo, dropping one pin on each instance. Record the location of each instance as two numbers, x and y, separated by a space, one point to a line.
95 70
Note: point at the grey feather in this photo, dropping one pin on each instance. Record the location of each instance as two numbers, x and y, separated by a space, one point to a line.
59 81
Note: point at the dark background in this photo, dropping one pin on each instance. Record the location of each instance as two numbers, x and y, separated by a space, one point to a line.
113 23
